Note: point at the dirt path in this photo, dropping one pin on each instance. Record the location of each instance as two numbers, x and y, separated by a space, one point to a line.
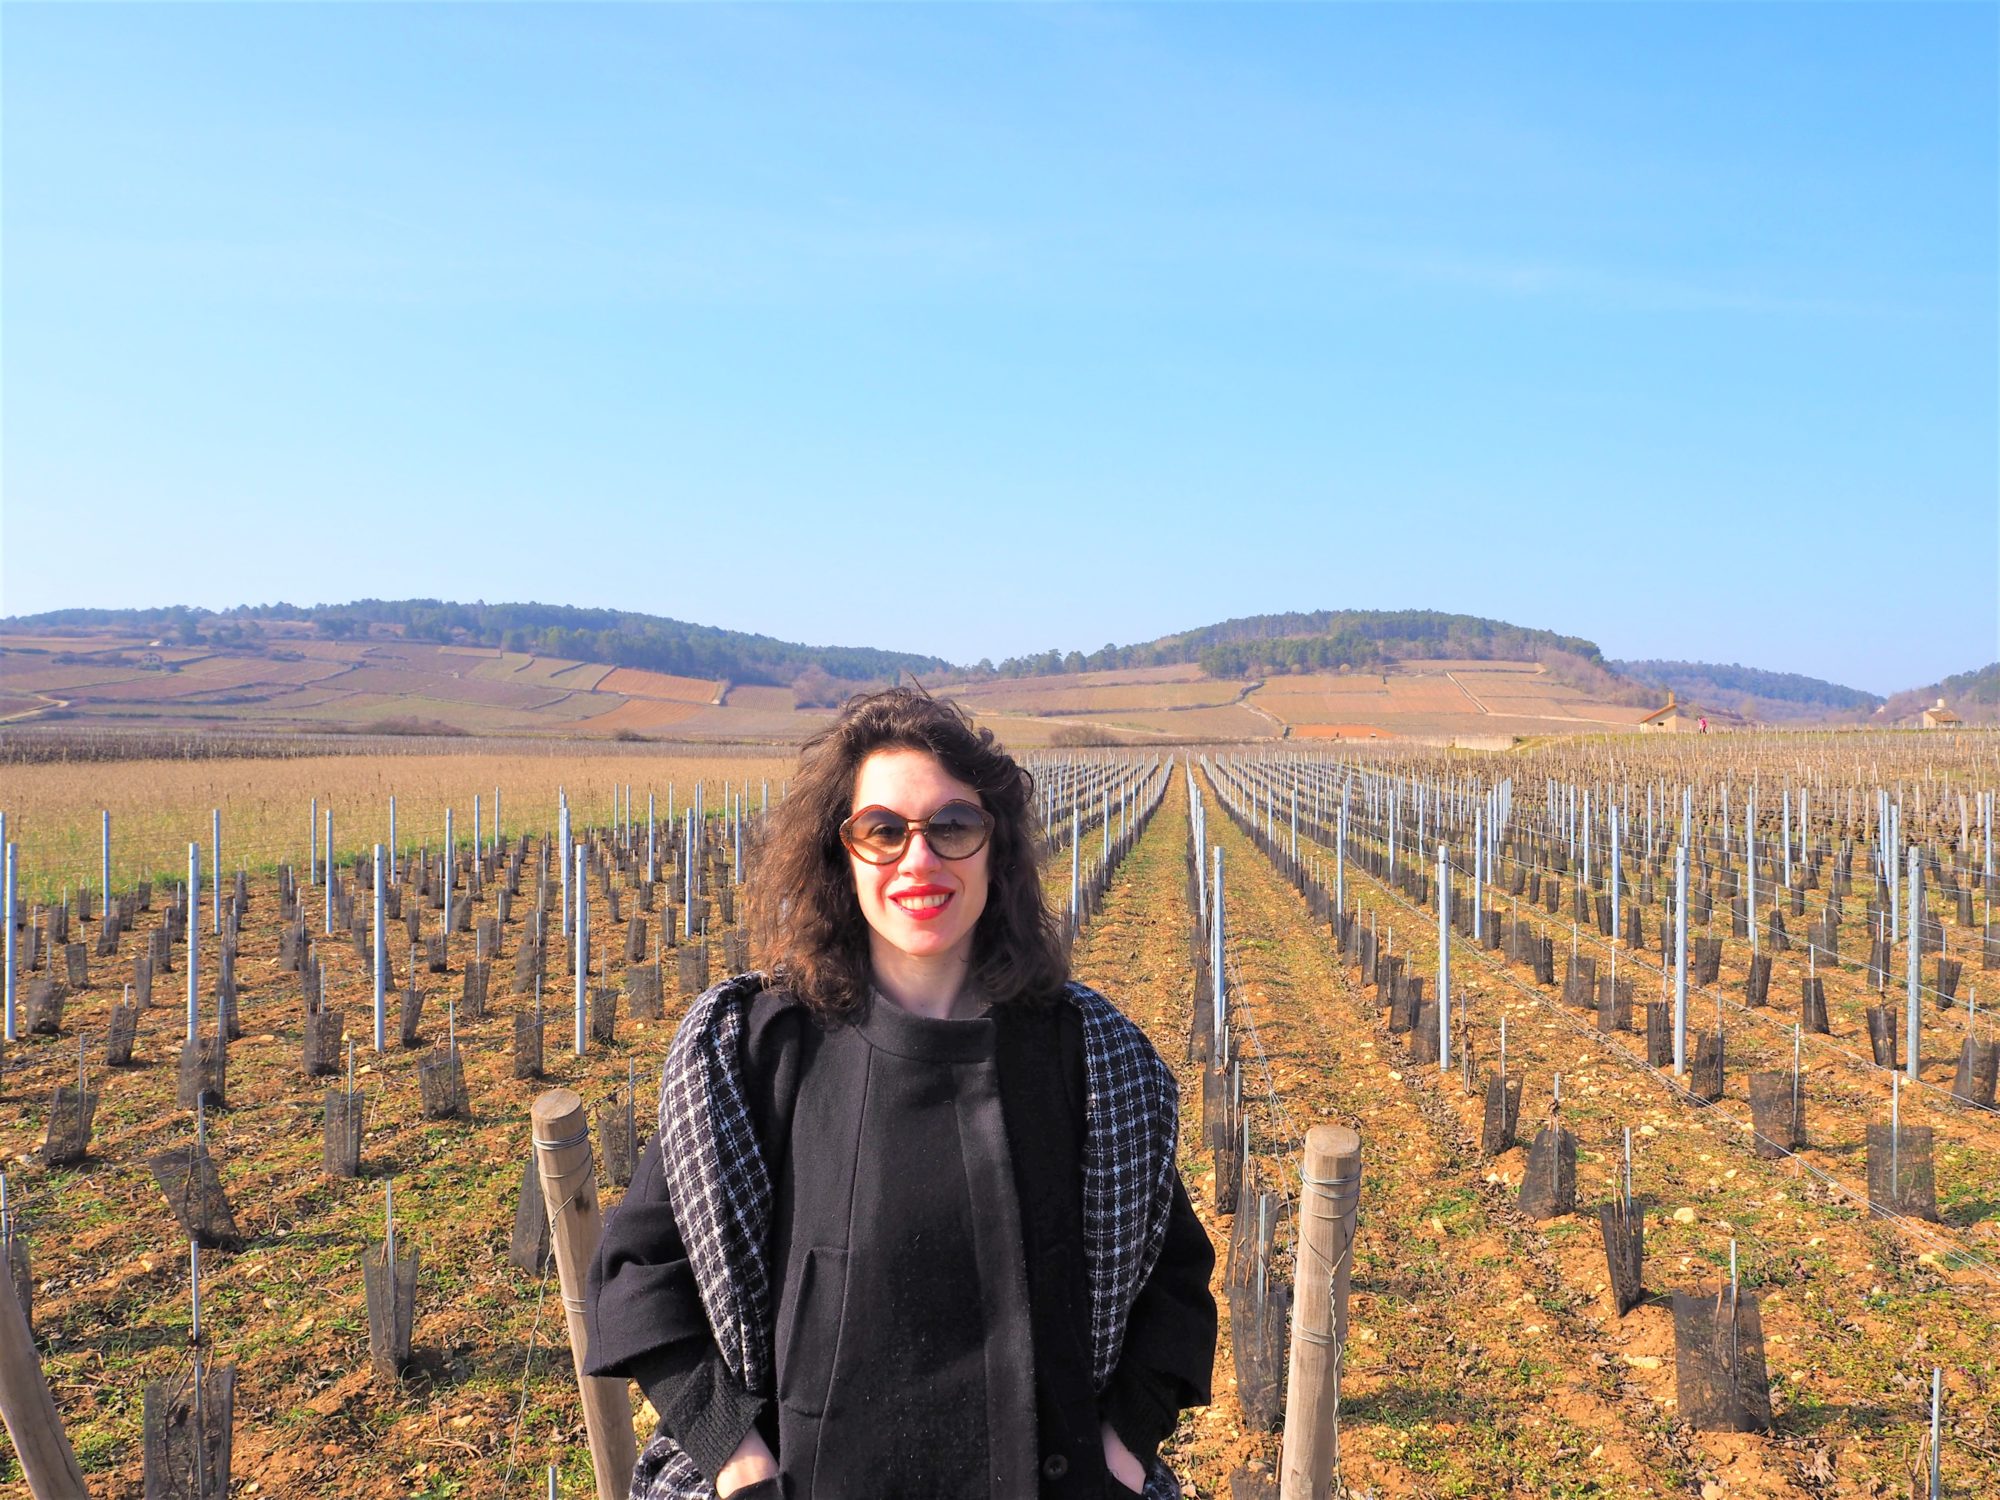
47 705
1452 677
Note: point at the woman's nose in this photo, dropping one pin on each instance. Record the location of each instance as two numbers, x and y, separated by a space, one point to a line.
919 855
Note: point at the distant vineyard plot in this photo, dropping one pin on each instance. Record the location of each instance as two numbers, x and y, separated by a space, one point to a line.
1489 702
1427 700
358 685
1141 689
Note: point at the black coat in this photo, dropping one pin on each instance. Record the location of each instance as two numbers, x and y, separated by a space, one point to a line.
931 1307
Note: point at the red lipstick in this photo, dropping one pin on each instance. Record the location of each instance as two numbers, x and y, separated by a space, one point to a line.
926 913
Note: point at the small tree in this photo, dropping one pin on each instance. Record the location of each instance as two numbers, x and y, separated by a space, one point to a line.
816 687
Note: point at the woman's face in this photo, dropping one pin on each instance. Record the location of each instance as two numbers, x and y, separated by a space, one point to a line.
921 907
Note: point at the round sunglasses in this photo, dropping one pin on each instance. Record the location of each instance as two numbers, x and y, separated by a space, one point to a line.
878 836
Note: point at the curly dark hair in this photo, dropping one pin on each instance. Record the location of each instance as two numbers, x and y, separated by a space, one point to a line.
801 893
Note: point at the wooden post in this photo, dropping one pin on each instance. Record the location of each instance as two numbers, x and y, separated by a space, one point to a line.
569 1189
1329 1197
30 1411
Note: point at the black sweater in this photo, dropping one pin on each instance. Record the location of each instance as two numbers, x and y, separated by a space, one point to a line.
932 1326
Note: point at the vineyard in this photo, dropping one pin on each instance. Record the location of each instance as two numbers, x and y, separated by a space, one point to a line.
1680 1163
308 684
113 687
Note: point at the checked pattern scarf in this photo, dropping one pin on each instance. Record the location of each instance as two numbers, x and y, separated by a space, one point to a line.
721 1194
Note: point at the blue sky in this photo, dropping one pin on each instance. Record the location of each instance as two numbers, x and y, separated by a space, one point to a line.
979 330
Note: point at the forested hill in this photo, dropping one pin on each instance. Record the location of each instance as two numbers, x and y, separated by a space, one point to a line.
620 638
1751 691
1974 696
1322 640
1980 687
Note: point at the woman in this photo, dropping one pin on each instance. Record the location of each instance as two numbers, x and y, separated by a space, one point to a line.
912 1225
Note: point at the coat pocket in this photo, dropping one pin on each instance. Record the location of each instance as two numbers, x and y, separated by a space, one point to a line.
811 1331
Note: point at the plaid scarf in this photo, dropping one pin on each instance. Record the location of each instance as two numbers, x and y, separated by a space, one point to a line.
720 1188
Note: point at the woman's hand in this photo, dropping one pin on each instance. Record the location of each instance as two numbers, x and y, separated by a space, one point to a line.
1119 1459
749 1464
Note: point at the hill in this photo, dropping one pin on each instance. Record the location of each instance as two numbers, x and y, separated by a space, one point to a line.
1318 641
1974 696
1773 697
303 684
426 667
620 638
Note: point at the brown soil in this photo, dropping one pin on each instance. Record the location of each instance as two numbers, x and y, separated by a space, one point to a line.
1854 1314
